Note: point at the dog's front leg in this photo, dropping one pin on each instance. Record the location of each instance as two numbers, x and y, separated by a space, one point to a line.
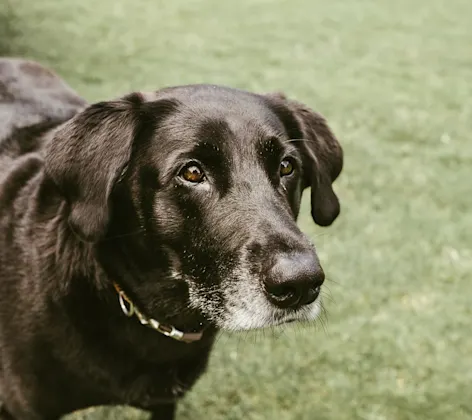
162 412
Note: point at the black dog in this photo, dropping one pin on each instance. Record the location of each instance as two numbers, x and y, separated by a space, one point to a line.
132 230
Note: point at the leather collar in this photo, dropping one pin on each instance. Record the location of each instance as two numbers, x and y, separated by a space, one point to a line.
130 309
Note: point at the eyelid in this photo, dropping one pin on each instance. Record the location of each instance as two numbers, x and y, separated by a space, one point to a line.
296 161
182 163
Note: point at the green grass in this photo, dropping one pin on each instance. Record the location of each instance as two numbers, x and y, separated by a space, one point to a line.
395 81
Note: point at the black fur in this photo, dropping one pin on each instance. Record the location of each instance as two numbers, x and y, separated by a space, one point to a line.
91 195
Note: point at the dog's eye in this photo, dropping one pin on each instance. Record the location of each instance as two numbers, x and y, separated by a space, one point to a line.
192 173
286 167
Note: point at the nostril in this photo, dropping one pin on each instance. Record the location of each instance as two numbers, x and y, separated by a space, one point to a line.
282 291
311 295
283 295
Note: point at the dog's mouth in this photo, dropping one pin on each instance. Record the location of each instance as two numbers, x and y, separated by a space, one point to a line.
288 321
291 318
257 312
284 322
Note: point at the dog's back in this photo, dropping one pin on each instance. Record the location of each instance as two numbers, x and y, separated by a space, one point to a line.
32 100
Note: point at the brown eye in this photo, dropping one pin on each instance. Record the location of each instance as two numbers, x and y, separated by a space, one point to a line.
286 167
192 173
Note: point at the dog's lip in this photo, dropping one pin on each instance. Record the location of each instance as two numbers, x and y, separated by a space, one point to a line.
286 320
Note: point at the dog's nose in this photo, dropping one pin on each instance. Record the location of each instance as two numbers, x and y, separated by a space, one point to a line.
294 280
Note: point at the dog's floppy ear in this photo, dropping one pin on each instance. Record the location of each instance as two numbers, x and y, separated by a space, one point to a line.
84 159
322 154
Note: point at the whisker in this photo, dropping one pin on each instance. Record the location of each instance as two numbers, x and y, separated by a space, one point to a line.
219 338
328 297
324 319
335 282
294 140
326 291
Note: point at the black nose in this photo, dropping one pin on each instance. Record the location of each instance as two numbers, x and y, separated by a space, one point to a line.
294 280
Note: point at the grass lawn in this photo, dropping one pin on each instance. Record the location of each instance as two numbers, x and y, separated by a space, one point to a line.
395 80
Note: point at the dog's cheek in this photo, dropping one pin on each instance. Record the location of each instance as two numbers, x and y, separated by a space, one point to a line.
244 304
167 217
209 301
219 281
177 220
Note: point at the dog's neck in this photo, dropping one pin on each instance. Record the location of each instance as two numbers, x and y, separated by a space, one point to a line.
130 310
147 285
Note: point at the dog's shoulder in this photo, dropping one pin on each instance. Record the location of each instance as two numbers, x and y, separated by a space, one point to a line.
32 98
33 101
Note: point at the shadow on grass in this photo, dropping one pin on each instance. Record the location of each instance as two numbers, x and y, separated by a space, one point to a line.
8 28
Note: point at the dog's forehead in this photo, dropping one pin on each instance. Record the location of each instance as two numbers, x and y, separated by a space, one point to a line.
214 112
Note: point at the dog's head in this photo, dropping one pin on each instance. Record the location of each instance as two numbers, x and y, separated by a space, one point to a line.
191 195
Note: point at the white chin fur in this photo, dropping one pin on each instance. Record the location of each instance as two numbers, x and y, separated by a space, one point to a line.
237 319
247 308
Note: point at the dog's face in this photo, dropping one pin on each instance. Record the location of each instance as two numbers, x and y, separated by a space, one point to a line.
191 196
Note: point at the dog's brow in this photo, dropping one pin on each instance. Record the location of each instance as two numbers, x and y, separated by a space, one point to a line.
212 130
271 146
208 146
208 153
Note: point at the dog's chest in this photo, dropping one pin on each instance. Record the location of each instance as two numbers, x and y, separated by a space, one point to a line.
154 385
144 383
160 386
